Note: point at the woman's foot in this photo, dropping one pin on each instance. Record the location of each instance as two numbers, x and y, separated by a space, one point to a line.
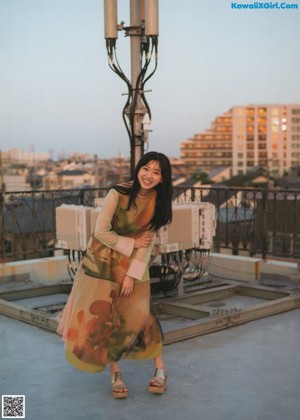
158 382
119 389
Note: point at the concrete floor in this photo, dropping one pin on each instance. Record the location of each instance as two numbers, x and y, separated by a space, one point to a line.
250 372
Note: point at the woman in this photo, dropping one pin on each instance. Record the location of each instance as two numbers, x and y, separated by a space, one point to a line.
107 316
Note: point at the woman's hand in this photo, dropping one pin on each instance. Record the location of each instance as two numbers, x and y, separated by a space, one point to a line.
144 240
127 287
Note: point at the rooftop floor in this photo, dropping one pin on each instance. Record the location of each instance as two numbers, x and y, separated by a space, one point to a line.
249 372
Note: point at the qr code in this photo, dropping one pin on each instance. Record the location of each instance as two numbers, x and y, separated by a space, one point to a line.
13 406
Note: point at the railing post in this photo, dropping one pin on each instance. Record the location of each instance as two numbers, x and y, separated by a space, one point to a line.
82 197
193 195
2 247
264 234
217 237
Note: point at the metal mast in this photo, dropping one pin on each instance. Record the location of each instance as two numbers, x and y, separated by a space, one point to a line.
143 33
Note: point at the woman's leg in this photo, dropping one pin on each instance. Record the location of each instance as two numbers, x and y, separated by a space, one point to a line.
159 362
158 382
119 388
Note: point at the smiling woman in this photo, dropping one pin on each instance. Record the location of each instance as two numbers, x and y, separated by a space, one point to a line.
108 316
149 176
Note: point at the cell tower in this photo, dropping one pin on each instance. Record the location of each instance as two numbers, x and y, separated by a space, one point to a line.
143 33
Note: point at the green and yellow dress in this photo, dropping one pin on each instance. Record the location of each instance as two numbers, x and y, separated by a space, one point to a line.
98 326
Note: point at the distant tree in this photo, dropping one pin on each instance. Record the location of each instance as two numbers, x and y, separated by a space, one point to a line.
203 177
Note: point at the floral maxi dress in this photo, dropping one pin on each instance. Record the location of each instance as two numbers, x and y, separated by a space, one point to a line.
98 326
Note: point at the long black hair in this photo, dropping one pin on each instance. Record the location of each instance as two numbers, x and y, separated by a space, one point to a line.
163 206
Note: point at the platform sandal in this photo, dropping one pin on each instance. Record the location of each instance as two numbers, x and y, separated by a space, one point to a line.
118 390
158 382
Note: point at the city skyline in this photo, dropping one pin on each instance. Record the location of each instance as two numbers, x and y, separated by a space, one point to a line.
59 93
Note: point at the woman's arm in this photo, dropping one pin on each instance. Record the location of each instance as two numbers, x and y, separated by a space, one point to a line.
140 248
140 261
103 232
137 269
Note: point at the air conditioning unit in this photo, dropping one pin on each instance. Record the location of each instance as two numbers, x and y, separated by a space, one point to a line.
73 226
193 226
207 222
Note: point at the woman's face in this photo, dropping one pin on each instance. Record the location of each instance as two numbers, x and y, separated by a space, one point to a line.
149 175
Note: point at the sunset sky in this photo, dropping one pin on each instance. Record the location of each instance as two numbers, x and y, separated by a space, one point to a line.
57 91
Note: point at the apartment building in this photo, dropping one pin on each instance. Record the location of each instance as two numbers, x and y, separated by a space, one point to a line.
210 149
247 137
20 156
267 136
68 179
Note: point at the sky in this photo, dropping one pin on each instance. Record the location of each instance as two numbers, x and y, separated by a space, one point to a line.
58 93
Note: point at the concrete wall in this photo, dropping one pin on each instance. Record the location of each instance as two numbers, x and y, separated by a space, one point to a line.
42 270
231 267
247 268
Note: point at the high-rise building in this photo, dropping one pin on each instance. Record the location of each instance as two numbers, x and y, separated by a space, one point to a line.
266 136
247 137
209 149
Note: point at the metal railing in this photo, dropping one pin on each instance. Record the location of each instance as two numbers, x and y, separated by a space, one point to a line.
249 221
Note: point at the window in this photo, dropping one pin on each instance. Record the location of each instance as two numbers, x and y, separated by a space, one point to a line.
262 111
262 128
295 120
275 120
262 120
262 162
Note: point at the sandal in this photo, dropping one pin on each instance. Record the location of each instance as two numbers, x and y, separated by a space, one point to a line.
120 390
158 382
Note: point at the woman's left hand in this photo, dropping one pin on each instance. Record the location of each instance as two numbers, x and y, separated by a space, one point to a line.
127 287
